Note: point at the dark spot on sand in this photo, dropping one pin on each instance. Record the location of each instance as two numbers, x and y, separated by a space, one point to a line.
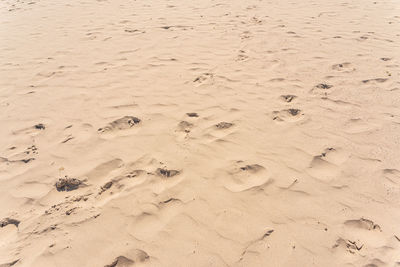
8 221
166 173
324 86
67 184
224 125
40 126
192 114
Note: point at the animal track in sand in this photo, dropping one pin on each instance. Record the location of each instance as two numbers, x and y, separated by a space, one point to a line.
123 123
363 224
289 115
344 67
241 176
288 98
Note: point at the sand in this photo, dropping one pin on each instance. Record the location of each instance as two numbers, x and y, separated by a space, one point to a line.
199 133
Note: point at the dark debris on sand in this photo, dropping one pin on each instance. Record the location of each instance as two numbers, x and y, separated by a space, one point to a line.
68 184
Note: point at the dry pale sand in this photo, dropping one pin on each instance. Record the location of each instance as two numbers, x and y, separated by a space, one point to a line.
199 133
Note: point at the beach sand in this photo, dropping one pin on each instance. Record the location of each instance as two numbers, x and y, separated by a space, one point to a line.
199 133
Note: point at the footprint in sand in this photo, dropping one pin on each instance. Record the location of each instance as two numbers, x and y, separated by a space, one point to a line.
325 167
223 125
376 80
245 35
8 221
241 176
288 98
288 115
363 224
192 114
322 89
165 173
35 129
123 123
185 126
358 126
344 67
205 78
242 56
348 245
138 256
219 131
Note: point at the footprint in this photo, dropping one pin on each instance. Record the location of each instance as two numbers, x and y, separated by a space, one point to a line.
242 56
121 261
377 80
325 166
350 246
39 126
204 78
357 126
123 123
324 86
35 129
245 35
185 126
7 221
105 187
344 67
165 173
192 114
224 125
242 177
288 98
290 115
31 150
9 264
138 256
321 89
256 20
363 224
